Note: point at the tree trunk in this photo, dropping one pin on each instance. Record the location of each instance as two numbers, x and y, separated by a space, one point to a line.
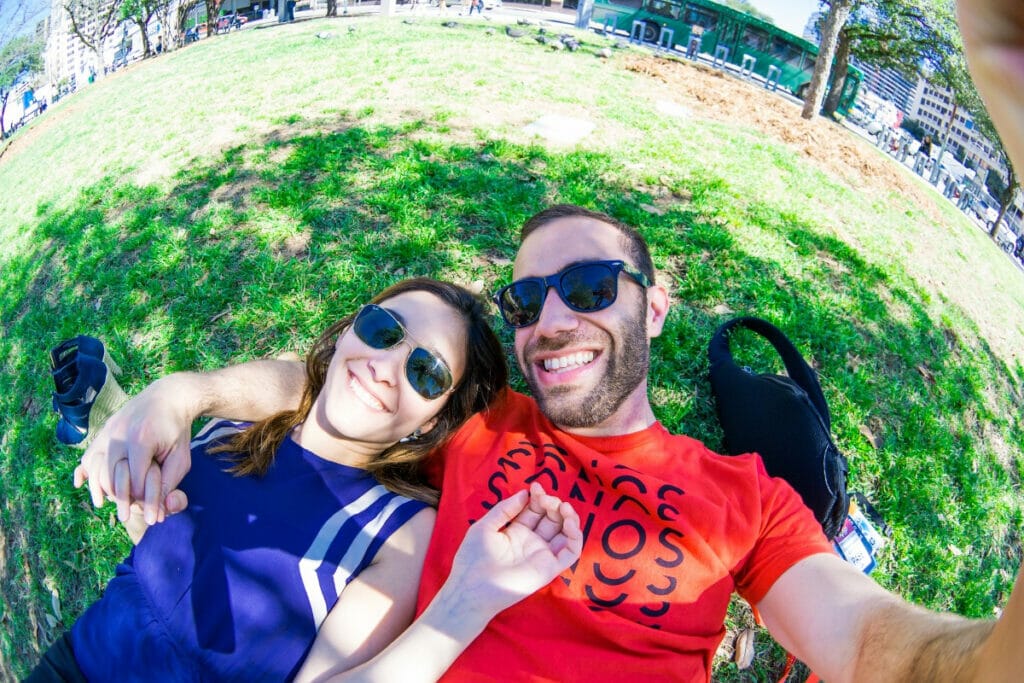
839 70
834 23
332 8
212 7
166 32
3 110
937 168
1005 198
146 52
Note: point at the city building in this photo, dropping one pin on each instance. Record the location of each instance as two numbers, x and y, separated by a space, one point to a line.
932 107
889 84
812 30
70 63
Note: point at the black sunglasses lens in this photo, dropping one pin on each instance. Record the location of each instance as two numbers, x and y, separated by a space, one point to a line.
589 287
377 328
427 375
520 303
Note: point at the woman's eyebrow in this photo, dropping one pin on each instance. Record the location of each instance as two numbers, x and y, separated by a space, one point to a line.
398 316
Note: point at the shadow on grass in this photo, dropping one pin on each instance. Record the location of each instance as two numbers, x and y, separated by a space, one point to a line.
255 254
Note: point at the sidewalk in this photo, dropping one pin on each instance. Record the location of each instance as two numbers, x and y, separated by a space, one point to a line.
508 10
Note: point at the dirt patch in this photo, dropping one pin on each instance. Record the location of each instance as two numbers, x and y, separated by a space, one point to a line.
826 144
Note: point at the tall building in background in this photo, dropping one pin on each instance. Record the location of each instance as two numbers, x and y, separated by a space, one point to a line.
68 60
812 32
932 107
890 85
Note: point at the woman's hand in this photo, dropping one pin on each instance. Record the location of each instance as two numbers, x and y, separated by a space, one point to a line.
517 548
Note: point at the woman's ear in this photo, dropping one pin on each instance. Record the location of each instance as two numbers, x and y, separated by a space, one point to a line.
427 426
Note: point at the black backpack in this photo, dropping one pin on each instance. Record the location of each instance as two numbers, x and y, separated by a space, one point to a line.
784 419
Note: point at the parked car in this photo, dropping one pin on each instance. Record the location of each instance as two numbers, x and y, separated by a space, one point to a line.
230 21
492 4
1005 238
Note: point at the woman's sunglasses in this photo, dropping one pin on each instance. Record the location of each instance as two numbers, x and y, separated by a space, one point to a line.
378 327
584 287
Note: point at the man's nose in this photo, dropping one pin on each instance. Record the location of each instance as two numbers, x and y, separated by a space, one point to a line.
555 317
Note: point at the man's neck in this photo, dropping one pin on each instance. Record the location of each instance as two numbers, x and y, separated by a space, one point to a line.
634 415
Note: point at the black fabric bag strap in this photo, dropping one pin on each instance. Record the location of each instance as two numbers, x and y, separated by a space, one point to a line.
796 367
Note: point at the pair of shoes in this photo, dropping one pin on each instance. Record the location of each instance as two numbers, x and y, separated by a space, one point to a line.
86 393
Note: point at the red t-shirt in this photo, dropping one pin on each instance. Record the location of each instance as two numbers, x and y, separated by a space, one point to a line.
671 530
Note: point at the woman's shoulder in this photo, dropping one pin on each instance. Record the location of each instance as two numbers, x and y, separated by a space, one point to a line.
217 430
412 538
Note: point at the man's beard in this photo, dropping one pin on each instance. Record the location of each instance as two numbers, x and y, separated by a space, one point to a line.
626 368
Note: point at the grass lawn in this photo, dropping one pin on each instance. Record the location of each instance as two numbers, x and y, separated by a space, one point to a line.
227 201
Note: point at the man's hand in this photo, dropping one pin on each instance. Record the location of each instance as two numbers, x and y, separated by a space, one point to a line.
517 548
142 453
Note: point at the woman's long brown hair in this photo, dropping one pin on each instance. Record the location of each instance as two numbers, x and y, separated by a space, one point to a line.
398 467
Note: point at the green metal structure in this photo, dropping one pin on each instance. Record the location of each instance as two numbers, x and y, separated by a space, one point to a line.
731 35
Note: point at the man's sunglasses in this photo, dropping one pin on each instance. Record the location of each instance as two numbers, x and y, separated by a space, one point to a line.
584 287
428 374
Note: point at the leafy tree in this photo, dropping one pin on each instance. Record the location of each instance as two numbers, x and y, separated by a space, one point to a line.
946 66
140 12
745 6
19 58
93 21
889 34
14 15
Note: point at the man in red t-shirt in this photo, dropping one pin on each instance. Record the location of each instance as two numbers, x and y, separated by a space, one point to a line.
671 529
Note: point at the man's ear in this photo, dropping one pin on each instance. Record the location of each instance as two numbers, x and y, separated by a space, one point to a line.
657 309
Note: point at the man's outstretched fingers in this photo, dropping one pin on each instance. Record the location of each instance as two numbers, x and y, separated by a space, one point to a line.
569 543
80 476
173 468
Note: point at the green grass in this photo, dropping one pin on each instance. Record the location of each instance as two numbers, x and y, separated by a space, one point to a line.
227 201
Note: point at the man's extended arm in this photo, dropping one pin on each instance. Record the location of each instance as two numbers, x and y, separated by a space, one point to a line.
848 628
142 453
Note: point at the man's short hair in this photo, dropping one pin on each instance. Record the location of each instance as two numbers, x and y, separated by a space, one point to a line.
632 241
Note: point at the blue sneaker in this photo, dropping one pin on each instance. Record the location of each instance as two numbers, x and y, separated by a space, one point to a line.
67 350
86 391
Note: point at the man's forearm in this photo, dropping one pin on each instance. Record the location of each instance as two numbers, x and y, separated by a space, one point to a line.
250 391
907 643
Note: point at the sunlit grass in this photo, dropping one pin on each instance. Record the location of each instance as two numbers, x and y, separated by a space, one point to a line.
195 213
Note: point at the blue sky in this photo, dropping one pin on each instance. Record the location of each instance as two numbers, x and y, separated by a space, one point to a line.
27 12
788 14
